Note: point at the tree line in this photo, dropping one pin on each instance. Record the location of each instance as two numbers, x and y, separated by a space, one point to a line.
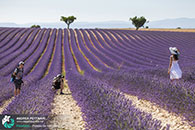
138 22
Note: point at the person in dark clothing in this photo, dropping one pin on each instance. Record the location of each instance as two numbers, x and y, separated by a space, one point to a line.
58 83
18 74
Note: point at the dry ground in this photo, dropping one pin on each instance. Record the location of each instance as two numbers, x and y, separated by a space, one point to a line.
67 115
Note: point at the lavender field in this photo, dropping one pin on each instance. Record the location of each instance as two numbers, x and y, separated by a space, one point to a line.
101 66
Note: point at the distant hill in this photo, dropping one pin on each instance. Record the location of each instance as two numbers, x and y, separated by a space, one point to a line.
107 24
173 23
8 25
166 23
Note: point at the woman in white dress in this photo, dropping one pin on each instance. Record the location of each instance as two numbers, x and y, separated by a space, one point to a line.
174 69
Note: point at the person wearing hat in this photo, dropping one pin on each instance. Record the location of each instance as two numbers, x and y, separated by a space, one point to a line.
58 83
174 69
18 75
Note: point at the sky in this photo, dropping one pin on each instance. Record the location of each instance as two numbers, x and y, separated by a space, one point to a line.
47 11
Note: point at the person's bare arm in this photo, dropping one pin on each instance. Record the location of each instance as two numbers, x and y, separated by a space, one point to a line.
14 73
170 63
178 50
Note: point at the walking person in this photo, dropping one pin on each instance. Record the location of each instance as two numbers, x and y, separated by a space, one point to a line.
58 83
174 69
17 78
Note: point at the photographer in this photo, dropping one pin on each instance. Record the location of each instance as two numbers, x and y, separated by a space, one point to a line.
17 77
58 83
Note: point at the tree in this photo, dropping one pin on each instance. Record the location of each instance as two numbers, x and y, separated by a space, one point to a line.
138 22
68 20
35 26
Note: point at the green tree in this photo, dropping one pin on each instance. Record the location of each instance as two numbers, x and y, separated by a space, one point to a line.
138 22
35 26
68 20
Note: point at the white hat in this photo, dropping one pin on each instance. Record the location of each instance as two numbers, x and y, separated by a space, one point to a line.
174 50
21 63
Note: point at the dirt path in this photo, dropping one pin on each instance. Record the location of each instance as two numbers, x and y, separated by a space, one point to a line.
176 122
5 104
67 114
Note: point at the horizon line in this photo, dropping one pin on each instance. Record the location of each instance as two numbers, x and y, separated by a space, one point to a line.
98 21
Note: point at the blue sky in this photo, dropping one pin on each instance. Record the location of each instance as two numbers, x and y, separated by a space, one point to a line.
28 11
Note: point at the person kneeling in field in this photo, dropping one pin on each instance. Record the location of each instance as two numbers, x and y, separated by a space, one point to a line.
58 83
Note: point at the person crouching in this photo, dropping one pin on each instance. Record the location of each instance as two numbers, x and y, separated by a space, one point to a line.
58 83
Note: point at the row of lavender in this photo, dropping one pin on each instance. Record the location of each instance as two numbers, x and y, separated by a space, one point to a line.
31 104
81 44
81 60
7 87
132 52
178 98
102 107
36 98
28 107
6 70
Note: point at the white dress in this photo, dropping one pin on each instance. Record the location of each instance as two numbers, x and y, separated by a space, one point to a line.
175 72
